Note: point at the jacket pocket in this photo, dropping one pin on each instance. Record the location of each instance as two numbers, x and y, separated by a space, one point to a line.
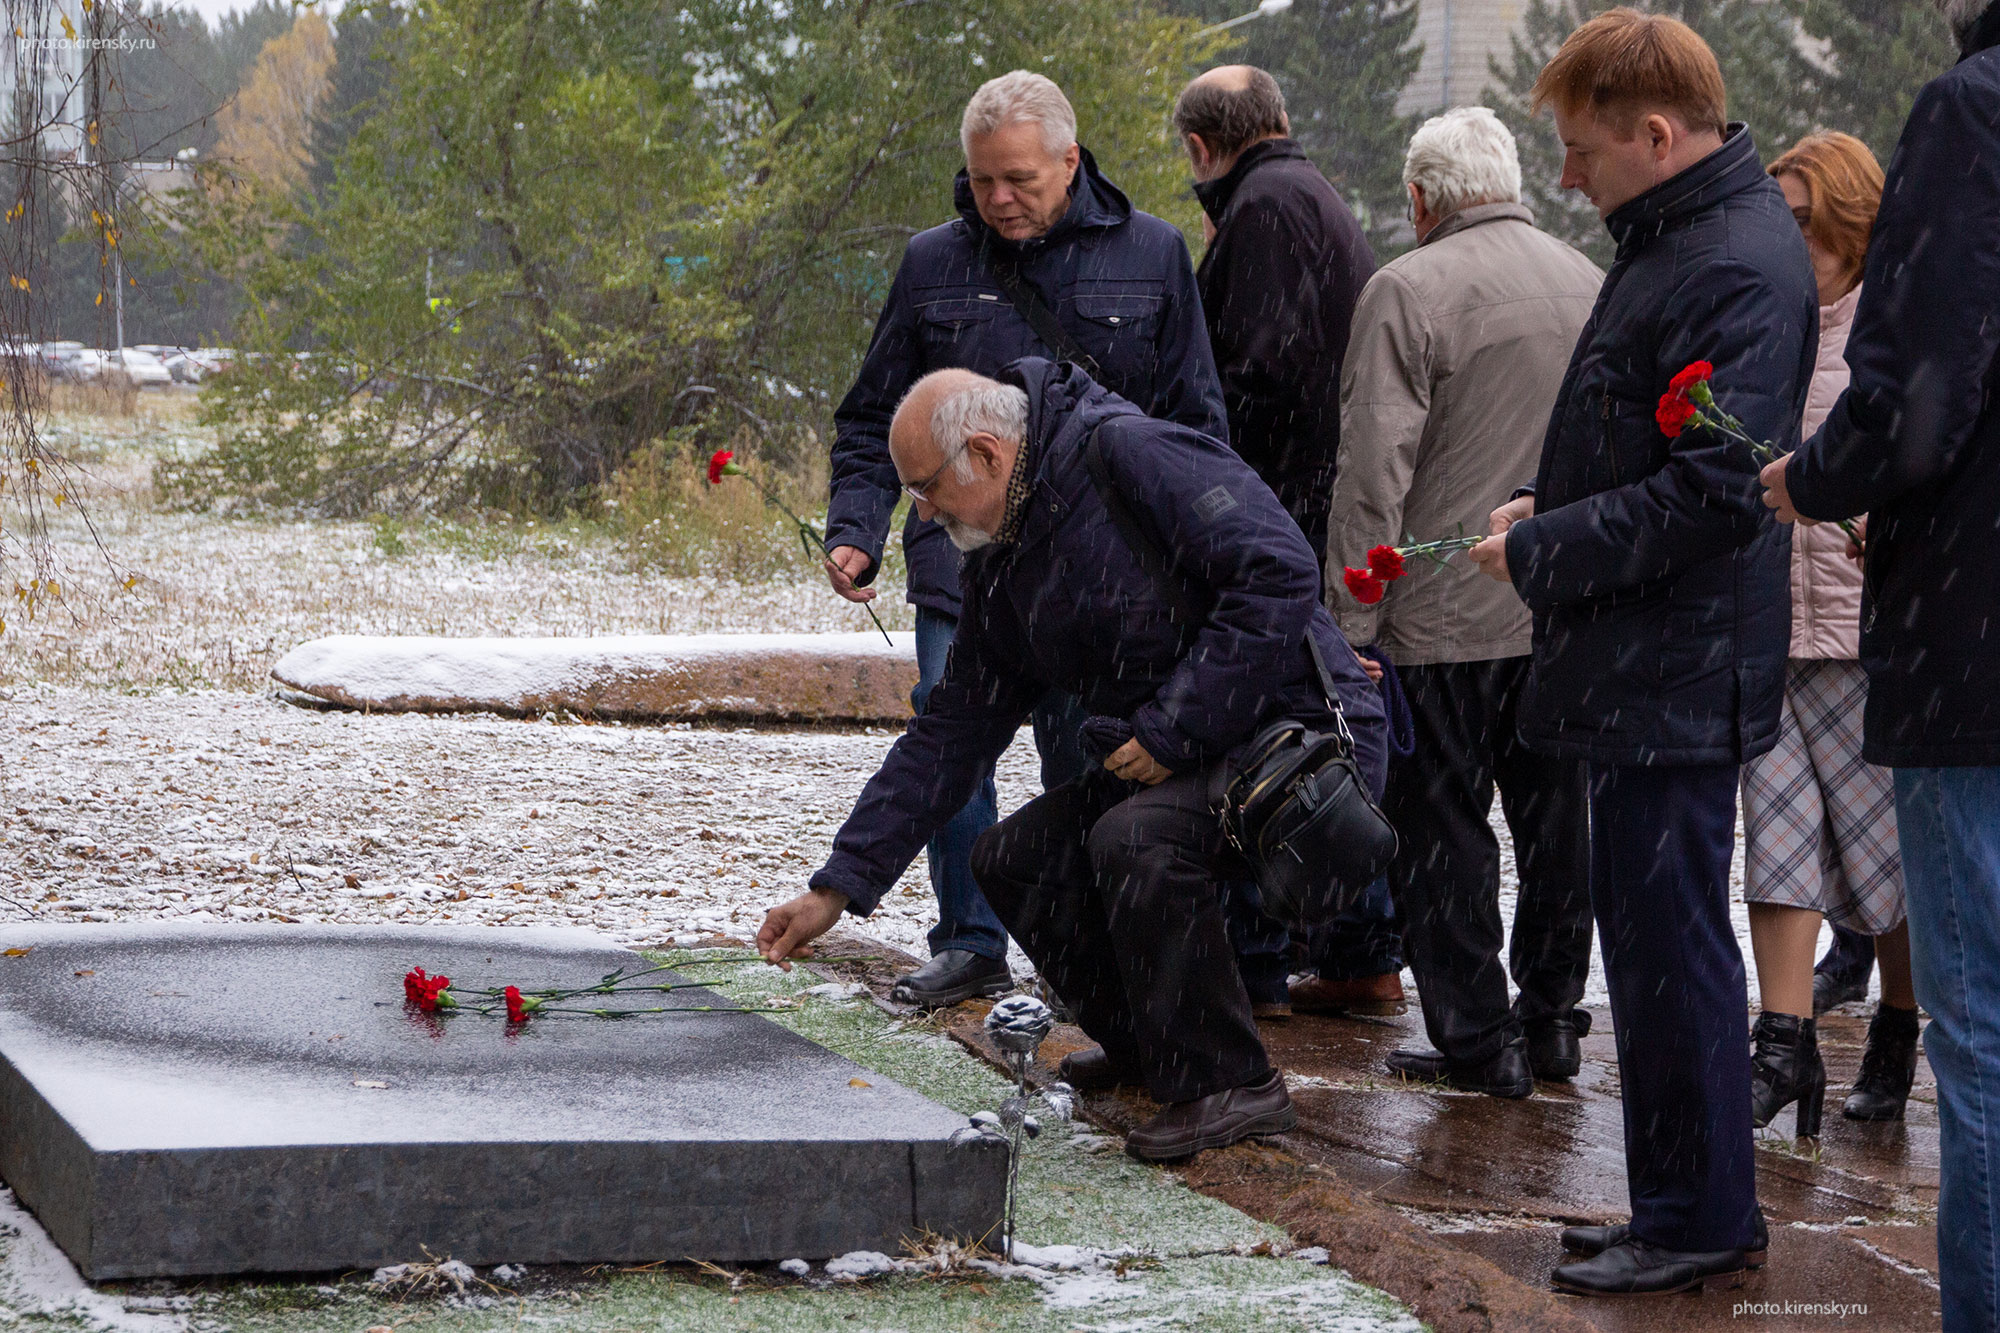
1631 446
955 324
1120 329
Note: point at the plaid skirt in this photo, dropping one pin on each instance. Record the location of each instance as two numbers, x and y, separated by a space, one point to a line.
1819 824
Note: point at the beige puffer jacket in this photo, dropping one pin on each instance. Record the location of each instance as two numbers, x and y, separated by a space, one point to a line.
1826 585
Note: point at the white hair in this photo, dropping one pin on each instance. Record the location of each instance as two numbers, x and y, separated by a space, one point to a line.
1961 15
1000 410
1461 158
1016 97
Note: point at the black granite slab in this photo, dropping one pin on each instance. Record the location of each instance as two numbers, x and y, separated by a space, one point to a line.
186 1099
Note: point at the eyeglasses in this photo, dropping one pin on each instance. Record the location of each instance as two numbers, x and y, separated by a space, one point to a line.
916 490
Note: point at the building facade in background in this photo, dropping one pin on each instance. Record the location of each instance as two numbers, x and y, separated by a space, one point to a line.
1459 37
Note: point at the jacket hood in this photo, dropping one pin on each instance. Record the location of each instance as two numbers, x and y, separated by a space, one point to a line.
1984 33
1054 389
1093 202
1729 170
1216 194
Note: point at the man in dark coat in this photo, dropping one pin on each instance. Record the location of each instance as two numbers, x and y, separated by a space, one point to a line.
1914 444
1117 285
1285 263
1106 882
1658 588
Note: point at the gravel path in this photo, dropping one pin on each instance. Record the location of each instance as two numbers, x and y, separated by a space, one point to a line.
212 806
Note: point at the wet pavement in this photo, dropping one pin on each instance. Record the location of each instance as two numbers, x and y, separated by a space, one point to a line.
1853 1219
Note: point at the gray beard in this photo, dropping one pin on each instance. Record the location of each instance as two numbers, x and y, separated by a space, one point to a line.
963 535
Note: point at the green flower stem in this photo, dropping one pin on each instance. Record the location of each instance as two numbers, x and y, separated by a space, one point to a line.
1709 415
808 535
670 1009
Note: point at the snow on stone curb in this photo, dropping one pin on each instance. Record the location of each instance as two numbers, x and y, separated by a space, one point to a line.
780 677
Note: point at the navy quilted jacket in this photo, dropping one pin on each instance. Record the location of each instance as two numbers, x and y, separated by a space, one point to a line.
1657 579
1120 283
1069 606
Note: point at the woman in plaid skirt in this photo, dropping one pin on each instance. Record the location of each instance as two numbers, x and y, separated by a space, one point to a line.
1821 824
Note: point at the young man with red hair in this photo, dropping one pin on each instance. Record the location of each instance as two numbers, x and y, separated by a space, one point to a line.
1652 571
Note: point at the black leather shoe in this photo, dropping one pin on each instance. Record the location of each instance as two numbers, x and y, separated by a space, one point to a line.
1554 1052
954 975
1215 1121
1505 1075
1831 989
1888 1067
1784 1068
1091 1070
1596 1240
1634 1268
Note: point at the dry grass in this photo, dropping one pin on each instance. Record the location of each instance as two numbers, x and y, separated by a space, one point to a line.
215 600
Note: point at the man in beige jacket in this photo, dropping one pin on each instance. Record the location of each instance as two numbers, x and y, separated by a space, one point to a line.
1457 351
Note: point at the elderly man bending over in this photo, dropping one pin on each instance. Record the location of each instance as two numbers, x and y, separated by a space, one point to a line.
1108 881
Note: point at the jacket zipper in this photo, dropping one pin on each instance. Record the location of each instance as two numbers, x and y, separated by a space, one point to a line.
1610 453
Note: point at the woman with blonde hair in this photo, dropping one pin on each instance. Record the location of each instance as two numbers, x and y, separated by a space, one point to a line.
1820 824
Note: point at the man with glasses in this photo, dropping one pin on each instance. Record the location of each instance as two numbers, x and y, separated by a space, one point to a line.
1107 882
1046 258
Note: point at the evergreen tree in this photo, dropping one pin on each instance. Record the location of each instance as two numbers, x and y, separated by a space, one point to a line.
1879 53
363 45
1342 65
1772 86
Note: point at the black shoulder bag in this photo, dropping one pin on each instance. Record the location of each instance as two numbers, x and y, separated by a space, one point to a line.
1028 303
1297 806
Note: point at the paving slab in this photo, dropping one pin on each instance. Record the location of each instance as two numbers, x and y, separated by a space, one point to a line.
813 678
1814 1279
185 1099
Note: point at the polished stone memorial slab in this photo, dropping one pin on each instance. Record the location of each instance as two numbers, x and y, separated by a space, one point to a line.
187 1099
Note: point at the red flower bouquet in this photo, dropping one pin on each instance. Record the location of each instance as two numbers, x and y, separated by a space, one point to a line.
1689 401
1387 563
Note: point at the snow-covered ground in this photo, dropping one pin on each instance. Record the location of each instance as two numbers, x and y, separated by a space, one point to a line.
123 795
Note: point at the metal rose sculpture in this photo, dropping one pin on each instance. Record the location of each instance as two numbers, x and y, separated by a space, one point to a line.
1018 1025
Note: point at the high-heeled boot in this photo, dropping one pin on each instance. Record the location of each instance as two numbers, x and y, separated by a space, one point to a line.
1888 1067
1784 1068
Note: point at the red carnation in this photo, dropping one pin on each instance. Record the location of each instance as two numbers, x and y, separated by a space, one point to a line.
429 992
1385 563
1364 584
720 466
413 985
1694 373
517 1012
1674 411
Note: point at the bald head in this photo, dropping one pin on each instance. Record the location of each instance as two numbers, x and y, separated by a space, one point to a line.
1225 110
954 440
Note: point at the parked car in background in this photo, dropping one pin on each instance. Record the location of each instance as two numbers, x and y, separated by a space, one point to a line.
194 364
142 368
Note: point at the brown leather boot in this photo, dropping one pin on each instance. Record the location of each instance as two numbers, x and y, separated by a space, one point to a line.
1379 995
1215 1121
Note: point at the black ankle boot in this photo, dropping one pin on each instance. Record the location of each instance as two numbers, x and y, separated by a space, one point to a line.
1888 1067
1784 1068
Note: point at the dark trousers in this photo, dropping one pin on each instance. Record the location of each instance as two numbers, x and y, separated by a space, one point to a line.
1660 844
1446 878
964 919
1110 888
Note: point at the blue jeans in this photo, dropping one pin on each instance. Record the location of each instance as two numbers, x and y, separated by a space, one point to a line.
1660 844
965 920
1948 825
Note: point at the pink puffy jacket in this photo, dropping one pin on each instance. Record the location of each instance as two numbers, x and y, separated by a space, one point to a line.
1826 585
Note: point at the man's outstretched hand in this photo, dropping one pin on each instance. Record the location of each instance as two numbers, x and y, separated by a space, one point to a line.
790 928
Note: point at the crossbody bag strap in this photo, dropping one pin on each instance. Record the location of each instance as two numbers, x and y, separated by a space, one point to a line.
1028 303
